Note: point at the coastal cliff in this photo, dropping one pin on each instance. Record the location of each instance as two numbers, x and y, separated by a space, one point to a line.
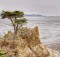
27 44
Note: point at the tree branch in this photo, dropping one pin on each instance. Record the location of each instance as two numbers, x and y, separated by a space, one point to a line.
12 22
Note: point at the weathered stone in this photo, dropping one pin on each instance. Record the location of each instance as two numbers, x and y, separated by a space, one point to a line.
27 44
26 52
31 36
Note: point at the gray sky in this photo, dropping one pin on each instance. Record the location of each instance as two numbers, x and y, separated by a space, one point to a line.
45 7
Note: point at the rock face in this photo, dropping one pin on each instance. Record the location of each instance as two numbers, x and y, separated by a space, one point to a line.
31 36
27 44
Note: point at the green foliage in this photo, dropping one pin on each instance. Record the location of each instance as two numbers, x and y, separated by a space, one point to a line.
8 14
3 56
18 14
2 53
21 21
14 17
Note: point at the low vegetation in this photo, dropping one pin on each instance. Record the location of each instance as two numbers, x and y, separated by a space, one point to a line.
3 53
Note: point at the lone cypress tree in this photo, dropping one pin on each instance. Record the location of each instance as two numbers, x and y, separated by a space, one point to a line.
16 17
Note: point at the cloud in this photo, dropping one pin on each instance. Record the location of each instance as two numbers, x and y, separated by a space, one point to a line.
47 7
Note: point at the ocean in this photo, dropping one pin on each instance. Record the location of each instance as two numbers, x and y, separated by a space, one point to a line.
49 29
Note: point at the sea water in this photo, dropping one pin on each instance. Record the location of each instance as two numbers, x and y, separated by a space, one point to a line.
49 29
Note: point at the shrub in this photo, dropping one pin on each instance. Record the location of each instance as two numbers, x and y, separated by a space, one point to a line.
2 53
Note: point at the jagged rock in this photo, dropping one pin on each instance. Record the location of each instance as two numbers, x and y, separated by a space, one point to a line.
31 36
27 44
26 52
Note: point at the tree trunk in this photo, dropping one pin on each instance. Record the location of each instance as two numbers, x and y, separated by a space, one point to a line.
15 31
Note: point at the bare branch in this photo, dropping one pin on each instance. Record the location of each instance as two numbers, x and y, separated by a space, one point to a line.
12 22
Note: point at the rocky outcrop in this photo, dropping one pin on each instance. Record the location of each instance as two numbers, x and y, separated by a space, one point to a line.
27 44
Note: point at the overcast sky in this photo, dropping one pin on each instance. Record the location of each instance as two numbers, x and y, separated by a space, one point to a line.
45 7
